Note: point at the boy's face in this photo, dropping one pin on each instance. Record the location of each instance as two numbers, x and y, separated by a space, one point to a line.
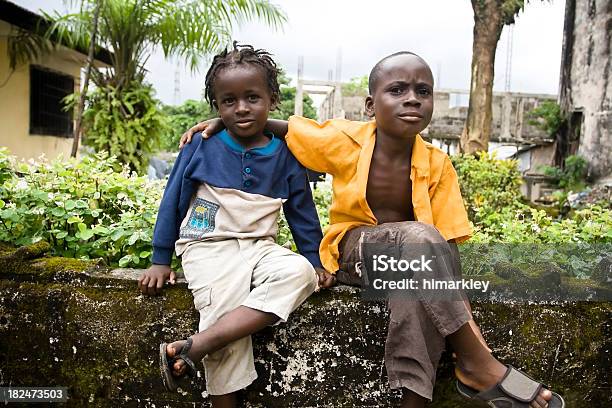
243 100
402 100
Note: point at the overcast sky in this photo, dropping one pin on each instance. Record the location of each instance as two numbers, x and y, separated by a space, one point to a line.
365 31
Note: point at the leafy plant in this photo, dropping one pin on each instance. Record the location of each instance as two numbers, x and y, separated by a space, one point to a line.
572 176
491 192
126 124
6 165
547 116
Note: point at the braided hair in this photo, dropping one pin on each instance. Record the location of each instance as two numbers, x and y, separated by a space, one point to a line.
243 54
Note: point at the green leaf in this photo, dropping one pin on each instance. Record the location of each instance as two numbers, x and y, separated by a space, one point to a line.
133 238
73 219
145 254
70 205
2 203
58 212
61 235
125 261
81 226
100 230
116 235
87 234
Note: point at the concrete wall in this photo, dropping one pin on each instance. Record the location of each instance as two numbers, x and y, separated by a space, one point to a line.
586 85
92 332
510 122
509 116
15 102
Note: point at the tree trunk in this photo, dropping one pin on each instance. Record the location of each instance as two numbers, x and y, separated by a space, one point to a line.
90 58
488 25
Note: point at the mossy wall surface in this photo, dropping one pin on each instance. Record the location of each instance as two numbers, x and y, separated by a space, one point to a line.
88 328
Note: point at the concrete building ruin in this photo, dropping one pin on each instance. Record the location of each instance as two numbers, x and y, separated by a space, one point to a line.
585 85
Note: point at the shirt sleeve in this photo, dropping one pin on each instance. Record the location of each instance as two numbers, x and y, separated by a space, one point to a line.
449 215
318 146
167 225
302 217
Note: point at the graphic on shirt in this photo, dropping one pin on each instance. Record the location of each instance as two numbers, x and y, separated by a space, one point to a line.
201 220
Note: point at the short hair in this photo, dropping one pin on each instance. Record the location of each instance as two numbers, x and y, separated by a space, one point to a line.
242 54
377 68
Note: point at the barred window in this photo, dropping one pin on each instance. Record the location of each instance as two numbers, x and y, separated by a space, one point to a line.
47 89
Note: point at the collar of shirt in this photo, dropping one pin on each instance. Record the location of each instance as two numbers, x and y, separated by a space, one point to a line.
265 150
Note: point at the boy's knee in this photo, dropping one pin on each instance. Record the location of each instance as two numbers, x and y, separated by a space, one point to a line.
415 232
303 271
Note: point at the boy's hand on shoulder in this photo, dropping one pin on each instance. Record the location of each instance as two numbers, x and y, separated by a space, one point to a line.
152 280
326 279
208 128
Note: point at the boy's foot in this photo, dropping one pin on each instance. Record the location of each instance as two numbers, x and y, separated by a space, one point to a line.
485 377
175 362
179 367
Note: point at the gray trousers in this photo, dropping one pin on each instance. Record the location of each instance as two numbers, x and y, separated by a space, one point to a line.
417 328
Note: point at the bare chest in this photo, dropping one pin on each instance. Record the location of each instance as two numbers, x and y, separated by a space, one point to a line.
389 191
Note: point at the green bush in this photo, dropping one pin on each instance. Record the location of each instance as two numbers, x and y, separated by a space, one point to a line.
286 105
6 165
488 185
528 225
84 209
491 193
572 176
357 86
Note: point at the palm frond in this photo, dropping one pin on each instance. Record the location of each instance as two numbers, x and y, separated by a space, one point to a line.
71 30
25 46
132 29
191 29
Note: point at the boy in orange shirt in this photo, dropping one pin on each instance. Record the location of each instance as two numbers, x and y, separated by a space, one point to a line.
391 187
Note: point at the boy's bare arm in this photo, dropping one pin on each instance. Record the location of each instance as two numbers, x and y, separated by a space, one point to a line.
212 126
152 280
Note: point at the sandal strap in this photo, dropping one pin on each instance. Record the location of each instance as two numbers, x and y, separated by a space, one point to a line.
183 355
519 385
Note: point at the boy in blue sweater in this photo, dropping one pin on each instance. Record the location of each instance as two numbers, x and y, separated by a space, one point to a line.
219 212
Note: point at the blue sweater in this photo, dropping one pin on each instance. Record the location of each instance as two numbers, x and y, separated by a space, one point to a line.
219 190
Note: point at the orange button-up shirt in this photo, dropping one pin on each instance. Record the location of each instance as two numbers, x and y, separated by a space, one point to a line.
344 149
